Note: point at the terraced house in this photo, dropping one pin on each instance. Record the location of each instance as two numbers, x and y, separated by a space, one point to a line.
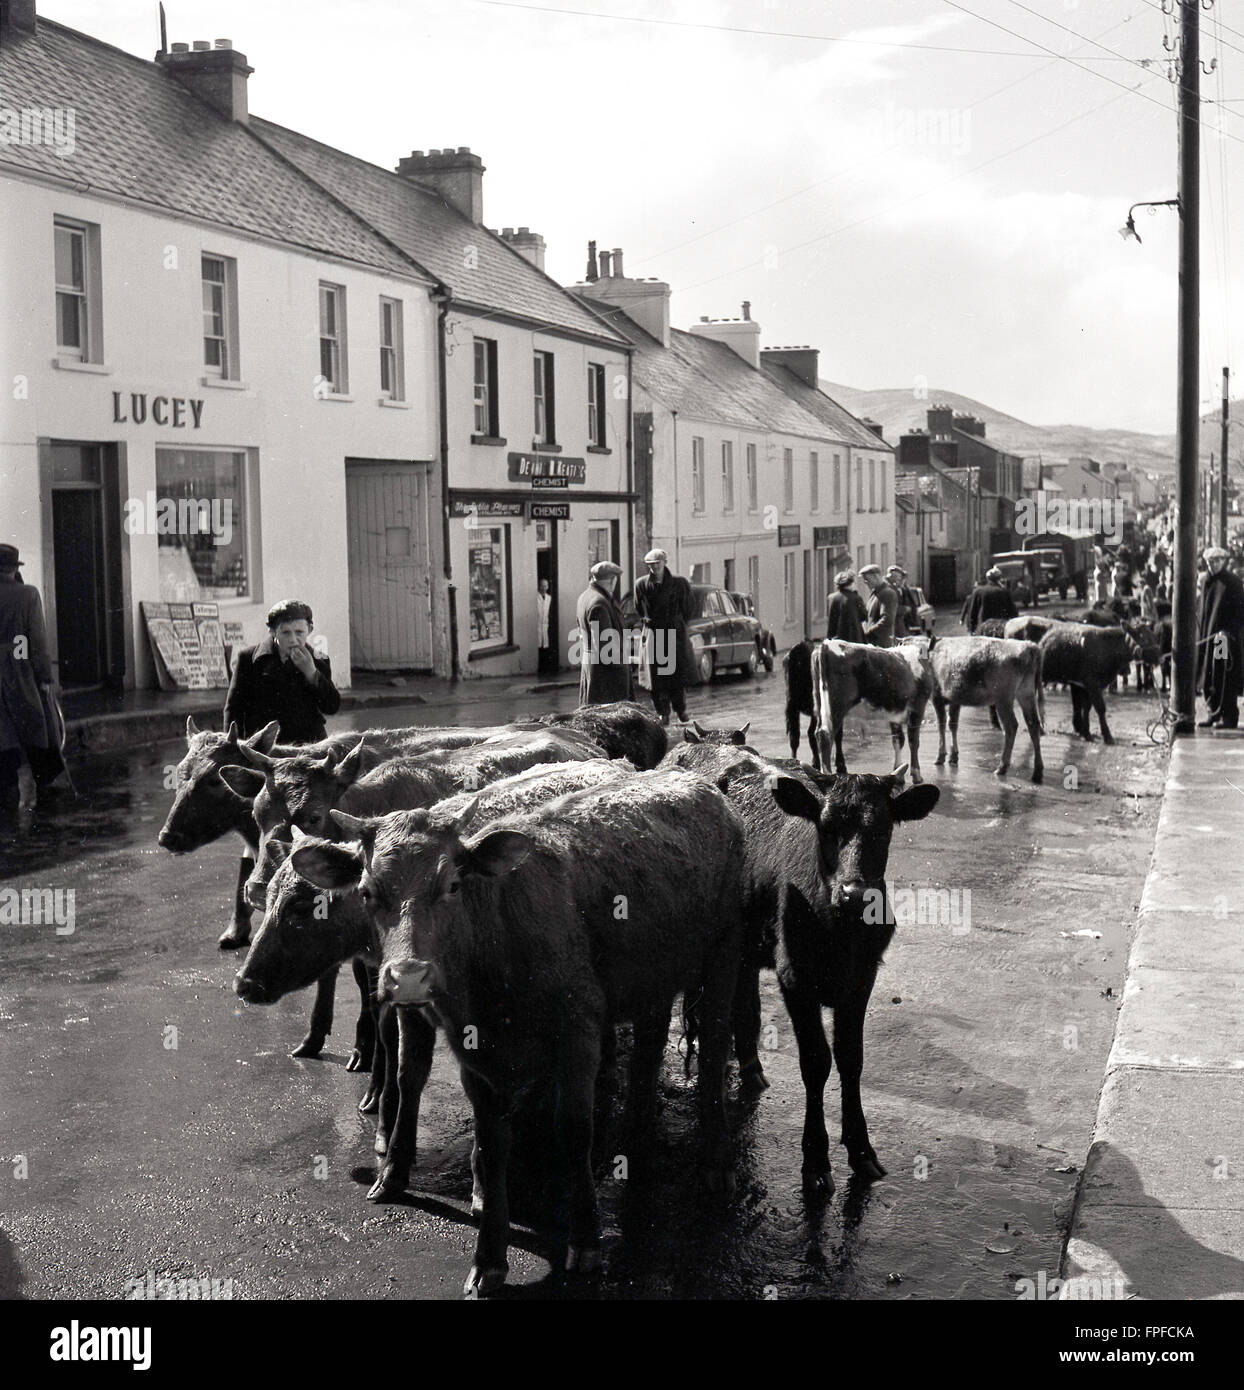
748 476
240 364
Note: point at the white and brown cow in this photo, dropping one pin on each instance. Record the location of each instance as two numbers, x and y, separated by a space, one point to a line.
896 680
989 671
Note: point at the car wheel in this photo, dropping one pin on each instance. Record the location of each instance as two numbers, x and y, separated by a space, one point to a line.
752 664
705 665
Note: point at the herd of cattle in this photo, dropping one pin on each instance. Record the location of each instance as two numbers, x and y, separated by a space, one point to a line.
1003 664
528 888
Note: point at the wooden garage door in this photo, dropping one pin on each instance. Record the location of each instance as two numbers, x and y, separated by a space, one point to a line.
389 565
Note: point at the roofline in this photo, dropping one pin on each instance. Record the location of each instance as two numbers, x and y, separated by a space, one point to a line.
21 173
482 313
772 367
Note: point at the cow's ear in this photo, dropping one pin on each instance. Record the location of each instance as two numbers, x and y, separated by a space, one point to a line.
356 827
191 727
466 816
328 866
915 803
242 781
795 799
699 728
265 738
689 735
231 733
350 768
497 852
740 735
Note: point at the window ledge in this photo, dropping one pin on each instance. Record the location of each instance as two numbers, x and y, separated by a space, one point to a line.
71 364
495 440
223 383
598 449
495 651
548 448
391 404
335 396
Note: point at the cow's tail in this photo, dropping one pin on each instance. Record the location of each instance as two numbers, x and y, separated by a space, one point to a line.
1038 681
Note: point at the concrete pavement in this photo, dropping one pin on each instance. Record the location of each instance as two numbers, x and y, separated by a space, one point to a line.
1160 1211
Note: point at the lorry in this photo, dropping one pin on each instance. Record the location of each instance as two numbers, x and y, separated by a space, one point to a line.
1066 561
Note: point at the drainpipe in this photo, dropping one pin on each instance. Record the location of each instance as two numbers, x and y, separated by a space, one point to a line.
677 528
630 468
440 297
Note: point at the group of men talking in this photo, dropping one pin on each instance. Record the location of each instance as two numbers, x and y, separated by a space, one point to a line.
890 614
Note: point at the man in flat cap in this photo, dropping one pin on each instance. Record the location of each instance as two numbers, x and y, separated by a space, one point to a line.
25 677
666 604
988 600
846 616
1220 650
882 608
908 623
604 675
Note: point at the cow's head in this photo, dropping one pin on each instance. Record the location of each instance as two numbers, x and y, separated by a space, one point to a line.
409 868
204 805
695 732
305 932
854 815
288 793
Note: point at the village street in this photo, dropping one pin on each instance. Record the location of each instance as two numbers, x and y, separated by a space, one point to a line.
222 1158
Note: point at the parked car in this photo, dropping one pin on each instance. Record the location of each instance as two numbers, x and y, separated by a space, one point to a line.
721 635
768 643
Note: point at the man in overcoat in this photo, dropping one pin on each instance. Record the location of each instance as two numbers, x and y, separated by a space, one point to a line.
604 675
25 667
846 615
1220 647
666 603
988 600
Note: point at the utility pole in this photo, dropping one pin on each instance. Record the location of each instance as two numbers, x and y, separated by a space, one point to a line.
1184 635
1223 470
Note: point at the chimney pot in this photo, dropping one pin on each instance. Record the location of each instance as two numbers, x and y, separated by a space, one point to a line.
224 43
592 273
617 262
464 149
605 271
215 75
181 48
201 46
747 308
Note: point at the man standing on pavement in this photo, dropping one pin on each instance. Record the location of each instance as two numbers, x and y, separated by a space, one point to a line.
25 675
547 662
908 624
604 675
666 604
846 616
882 608
1220 651
988 600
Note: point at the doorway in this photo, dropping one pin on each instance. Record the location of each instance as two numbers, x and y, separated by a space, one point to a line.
549 659
88 624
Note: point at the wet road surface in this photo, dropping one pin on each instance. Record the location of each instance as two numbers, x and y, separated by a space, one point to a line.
153 1124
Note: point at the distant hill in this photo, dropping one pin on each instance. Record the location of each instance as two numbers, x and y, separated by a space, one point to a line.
898 412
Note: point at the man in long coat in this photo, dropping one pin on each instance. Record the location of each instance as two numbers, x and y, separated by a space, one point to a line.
882 608
845 618
25 666
666 604
1220 649
604 675
988 600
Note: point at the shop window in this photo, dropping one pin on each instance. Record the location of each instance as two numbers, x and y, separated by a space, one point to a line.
488 548
201 525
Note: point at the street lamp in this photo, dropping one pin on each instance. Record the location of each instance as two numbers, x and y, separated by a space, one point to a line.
1128 229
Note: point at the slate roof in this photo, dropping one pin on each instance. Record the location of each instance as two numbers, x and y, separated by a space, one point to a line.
437 236
706 380
141 136
832 416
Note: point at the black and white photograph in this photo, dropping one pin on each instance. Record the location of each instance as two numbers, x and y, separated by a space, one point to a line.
621 638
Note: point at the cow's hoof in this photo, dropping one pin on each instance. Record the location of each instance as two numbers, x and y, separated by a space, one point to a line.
1107 738
370 1103
477 1203
481 1282
916 778
234 938
1038 776
752 1078
583 1259
866 1166
360 1060
310 1046
818 1180
954 760
388 1186
940 760
1000 770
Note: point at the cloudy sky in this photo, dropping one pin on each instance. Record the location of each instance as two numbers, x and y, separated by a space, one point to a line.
920 188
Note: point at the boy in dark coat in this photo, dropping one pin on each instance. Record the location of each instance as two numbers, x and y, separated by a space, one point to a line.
281 678
1220 648
988 600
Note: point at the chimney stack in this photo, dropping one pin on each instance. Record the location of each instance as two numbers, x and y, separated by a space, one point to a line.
215 75
747 310
592 273
803 361
528 244
456 176
740 335
645 301
17 16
